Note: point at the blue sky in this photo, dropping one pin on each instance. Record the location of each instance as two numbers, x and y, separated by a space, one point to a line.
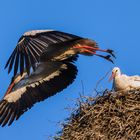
113 24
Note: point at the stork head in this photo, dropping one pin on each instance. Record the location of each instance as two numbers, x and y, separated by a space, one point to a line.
89 47
115 72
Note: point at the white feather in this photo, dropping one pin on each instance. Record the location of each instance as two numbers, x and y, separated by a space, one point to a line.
34 32
15 95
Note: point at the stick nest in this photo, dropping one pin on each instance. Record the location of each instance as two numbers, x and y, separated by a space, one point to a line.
112 116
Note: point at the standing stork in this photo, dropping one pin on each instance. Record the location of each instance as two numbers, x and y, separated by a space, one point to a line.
45 60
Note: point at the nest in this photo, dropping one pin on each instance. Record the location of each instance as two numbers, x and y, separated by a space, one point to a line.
112 116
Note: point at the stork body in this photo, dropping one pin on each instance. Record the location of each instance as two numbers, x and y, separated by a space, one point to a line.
45 60
122 82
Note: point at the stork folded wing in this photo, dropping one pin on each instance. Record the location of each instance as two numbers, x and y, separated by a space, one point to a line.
31 45
23 97
135 78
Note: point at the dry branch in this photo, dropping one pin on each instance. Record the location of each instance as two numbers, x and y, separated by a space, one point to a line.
112 116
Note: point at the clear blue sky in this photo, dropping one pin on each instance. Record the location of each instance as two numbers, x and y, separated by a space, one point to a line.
112 23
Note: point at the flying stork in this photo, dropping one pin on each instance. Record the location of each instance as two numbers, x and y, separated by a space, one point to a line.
43 64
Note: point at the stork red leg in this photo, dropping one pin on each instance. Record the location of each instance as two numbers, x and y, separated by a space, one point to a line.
95 49
92 48
94 53
89 51
85 47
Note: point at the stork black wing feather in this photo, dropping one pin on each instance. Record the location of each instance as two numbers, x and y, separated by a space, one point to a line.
13 115
32 59
16 62
8 115
27 63
21 63
11 60
12 55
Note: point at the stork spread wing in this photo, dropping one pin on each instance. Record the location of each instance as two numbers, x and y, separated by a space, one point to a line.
57 77
31 45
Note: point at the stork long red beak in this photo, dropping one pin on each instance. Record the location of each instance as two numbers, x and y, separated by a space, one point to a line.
111 77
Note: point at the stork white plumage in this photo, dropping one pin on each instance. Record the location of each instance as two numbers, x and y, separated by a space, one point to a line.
122 82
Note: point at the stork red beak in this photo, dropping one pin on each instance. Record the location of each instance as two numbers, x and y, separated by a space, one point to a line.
111 77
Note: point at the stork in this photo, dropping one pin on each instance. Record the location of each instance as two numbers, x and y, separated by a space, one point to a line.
123 82
43 65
